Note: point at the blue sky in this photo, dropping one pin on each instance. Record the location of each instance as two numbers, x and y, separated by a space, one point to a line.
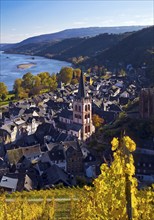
21 19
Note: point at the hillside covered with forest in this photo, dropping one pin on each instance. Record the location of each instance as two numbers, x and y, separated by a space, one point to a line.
109 50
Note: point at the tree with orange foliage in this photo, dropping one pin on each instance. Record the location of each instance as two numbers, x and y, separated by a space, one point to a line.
97 120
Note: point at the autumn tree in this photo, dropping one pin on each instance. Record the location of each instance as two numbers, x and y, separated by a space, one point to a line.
28 81
65 75
44 76
3 91
122 73
35 90
18 89
76 73
74 81
37 81
17 86
76 76
97 120
52 83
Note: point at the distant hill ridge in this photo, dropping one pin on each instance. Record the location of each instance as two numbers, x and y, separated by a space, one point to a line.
107 49
79 32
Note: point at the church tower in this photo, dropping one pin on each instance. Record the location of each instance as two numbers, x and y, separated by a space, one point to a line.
82 110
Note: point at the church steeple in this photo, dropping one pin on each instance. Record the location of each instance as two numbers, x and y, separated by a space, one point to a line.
82 111
81 91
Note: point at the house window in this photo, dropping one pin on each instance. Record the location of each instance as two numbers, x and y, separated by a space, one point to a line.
76 116
149 164
79 108
76 107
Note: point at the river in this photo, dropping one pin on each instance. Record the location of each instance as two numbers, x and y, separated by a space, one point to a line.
9 64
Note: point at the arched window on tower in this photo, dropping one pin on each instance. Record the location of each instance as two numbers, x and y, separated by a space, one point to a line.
86 108
89 107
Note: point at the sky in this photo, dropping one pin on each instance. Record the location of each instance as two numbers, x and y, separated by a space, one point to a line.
21 19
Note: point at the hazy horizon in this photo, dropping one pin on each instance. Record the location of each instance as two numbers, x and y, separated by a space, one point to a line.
23 19
71 29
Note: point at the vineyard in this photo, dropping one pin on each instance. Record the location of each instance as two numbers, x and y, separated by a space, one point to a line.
114 195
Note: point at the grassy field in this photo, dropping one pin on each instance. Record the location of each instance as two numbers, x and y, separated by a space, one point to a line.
10 97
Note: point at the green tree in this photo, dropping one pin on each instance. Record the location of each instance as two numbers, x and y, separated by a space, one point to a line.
3 91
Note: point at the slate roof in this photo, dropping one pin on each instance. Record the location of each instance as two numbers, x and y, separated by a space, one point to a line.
9 182
31 110
72 146
55 175
43 165
123 100
65 113
74 127
15 111
27 140
56 154
62 137
57 105
108 116
8 127
13 181
115 108
89 158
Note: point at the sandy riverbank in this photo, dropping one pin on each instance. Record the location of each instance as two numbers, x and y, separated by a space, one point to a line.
25 65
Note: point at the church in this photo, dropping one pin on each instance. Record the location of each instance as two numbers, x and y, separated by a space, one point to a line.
78 121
